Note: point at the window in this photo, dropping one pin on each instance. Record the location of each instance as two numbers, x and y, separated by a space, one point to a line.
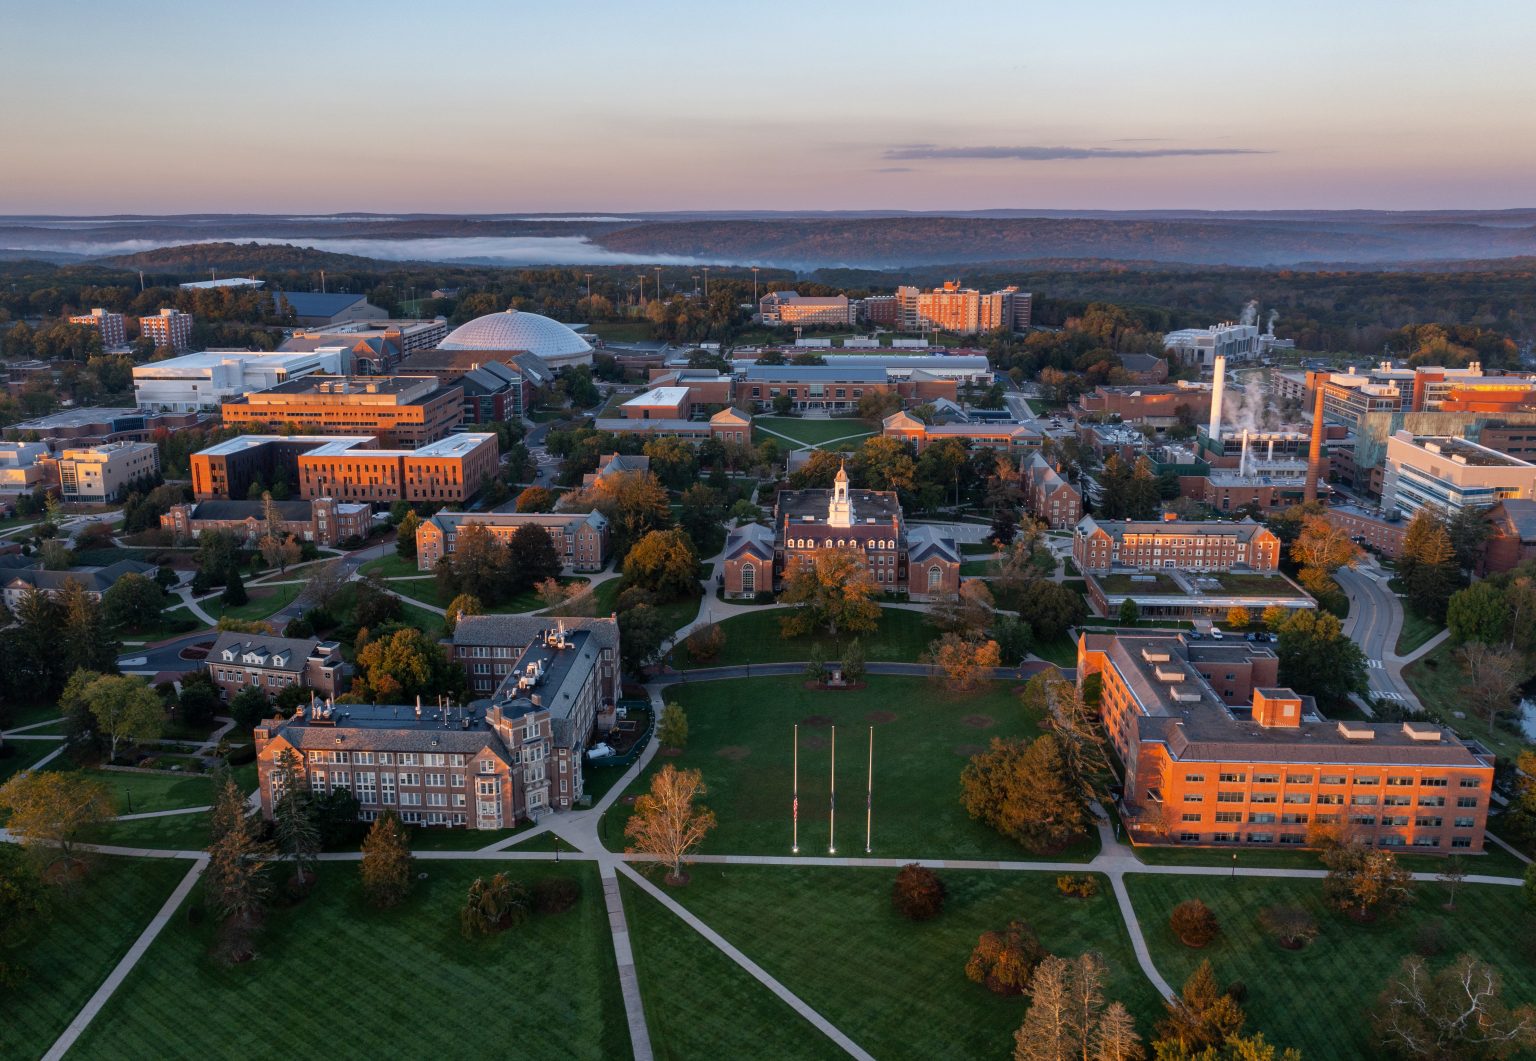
1229 816
387 788
1191 817
485 788
1261 819
1364 819
1433 782
1266 779
407 758
1297 797
1189 838
1467 782
458 780
1233 777
748 578
1363 801
410 779
1194 797
1461 841
487 766
935 577
1298 779
1464 823
1400 782
1231 797
1431 801
1194 779
1466 801
1263 797
1429 821
1396 801
1368 780
1332 779
1294 819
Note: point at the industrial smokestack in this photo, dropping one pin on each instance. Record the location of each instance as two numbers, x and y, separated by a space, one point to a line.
1242 461
1218 392
1315 452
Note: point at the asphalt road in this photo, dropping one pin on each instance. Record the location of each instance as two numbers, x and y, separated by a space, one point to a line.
1375 620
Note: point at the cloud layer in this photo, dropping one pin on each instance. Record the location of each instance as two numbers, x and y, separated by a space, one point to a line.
1046 154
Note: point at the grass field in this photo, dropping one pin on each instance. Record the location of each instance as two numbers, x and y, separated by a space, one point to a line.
740 735
1496 862
93 924
178 832
139 793
1416 630
1266 585
622 331
812 432
674 615
897 987
690 987
167 628
264 601
754 637
409 984
26 752
1315 998
391 565
1440 684
1149 582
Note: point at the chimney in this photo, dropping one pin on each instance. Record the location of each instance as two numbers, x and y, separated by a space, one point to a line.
1242 461
1315 452
1218 392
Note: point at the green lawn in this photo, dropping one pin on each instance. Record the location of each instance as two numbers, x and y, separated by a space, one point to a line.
174 622
977 548
896 987
413 987
1496 862
424 588
1315 998
622 331
977 568
754 637
1416 630
264 601
1440 684
741 737
140 793
701 1005
391 565
1266 585
26 752
178 832
812 432
92 926
1062 651
674 615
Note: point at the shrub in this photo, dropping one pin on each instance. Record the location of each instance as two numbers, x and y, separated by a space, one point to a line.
555 895
918 894
1075 886
705 643
1004 962
1194 924
493 905
1292 926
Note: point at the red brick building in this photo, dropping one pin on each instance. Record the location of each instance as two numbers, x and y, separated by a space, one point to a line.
1179 544
1215 752
324 520
1013 439
1158 404
271 664
1048 496
581 538
919 562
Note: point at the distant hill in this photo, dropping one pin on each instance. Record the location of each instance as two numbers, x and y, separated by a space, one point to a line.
196 259
891 243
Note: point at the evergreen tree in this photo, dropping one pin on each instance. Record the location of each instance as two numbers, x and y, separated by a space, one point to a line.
386 865
405 542
235 882
234 593
293 818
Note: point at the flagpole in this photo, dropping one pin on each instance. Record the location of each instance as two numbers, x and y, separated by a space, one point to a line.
795 807
869 793
832 804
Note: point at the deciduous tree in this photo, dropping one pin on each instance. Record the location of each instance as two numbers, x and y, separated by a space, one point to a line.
1021 789
917 893
532 556
1316 658
493 905
125 709
1005 962
47 810
667 824
1455 1012
672 727
964 663
663 563
133 602
462 605
833 590
1493 677
405 535
1364 881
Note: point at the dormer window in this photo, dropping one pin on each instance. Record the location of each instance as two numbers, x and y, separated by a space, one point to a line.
229 655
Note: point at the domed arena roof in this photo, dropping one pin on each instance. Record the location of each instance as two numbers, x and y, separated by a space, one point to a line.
517 330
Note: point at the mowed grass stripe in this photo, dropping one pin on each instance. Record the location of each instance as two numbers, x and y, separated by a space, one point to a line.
1317 999
897 987
741 738
334 975
92 924
699 1004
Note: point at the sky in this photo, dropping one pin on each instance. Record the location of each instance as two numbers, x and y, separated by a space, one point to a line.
281 107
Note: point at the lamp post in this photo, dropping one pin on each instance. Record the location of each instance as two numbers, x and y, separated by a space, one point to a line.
589 296
754 285
1234 865
658 281
706 281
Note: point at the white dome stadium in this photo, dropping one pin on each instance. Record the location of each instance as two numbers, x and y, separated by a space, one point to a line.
513 329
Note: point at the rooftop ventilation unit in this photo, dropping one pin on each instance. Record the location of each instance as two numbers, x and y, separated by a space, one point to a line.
1421 731
1154 655
1353 731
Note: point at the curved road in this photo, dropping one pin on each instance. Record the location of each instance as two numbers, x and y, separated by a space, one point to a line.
1375 620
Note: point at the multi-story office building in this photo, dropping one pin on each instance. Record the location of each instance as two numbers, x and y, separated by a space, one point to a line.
114 333
23 465
94 426
581 538
466 767
962 310
170 327
103 473
1102 545
880 309
791 308
1201 346
347 468
405 335
324 520
405 412
270 664
659 403
920 562
204 380
1217 752
1449 474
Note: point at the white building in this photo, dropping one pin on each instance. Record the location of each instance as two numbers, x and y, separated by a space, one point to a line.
1201 346
1449 474
21 466
102 473
204 380
790 307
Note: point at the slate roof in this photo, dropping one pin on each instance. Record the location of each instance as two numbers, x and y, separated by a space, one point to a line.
1518 518
316 304
521 629
94 579
396 728
291 511
295 650
753 537
926 543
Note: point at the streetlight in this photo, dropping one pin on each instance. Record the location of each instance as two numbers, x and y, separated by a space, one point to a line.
706 281
1234 865
589 296
658 281
695 285
754 285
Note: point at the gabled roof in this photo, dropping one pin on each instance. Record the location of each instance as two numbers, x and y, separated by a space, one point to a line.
316 304
731 415
293 650
521 629
926 543
750 538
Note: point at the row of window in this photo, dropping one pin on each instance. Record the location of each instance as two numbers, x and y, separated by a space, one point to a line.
1232 777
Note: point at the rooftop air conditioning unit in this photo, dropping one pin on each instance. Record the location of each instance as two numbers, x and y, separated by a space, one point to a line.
1354 731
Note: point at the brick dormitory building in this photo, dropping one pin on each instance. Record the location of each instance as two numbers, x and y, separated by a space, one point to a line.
581 538
551 685
323 520
452 469
919 562
1215 752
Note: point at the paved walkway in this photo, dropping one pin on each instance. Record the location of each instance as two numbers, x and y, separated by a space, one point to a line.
187 599
83 1019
